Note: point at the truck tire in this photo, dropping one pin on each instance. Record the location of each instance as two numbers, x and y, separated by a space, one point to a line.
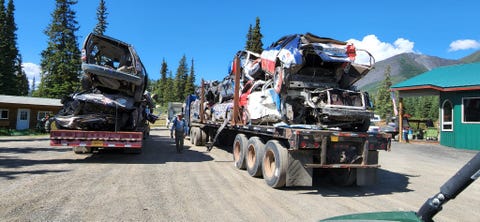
239 150
193 135
198 137
254 156
81 149
203 137
275 164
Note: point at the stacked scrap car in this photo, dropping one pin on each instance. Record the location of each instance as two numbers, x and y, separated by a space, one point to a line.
301 79
113 97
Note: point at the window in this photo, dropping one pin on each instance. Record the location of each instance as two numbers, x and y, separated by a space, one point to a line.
3 113
42 114
471 110
447 116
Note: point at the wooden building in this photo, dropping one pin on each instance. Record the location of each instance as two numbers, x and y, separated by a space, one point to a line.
21 112
458 88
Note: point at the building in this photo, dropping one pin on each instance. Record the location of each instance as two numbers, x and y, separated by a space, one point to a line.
458 88
21 112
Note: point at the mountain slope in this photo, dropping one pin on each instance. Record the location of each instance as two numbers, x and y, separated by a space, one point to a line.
403 66
474 57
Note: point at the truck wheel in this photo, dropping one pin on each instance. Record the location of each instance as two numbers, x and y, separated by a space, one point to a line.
197 137
239 150
344 177
193 135
82 149
255 151
274 166
203 137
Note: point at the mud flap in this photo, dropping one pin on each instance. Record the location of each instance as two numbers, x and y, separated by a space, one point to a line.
368 176
297 174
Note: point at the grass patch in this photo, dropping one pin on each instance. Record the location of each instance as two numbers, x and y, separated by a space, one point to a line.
13 132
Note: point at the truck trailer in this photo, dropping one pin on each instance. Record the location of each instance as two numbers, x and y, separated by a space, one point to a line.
296 136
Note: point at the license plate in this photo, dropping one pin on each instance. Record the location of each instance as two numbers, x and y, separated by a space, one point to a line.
97 143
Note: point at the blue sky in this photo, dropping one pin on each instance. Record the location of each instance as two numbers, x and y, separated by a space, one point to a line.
211 32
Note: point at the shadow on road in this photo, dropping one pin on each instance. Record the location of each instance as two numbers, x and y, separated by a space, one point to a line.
156 150
388 182
24 150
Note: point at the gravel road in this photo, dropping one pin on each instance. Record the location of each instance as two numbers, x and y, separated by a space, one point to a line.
43 183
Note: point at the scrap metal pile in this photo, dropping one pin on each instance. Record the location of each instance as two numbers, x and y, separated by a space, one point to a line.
301 79
113 97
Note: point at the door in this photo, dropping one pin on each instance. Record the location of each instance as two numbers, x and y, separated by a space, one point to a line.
23 119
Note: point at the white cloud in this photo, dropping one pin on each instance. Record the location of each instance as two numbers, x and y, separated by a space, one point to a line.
464 44
32 70
381 50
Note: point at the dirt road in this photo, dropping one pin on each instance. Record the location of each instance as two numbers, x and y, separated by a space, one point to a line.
43 183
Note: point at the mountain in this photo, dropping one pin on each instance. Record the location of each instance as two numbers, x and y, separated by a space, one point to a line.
474 57
402 66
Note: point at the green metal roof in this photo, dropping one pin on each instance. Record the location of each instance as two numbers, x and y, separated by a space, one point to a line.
444 78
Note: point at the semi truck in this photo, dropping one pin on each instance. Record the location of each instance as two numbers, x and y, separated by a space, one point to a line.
113 109
284 125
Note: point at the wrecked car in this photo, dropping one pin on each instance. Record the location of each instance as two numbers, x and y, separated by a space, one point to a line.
301 79
112 66
113 97
313 77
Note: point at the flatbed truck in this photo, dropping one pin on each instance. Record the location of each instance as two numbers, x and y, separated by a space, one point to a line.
289 155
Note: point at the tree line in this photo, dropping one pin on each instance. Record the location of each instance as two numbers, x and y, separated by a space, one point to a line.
60 64
176 88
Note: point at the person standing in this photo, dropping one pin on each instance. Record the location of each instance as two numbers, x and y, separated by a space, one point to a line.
405 134
179 127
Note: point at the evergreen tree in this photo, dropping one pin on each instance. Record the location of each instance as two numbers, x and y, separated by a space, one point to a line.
32 90
3 49
21 79
101 18
248 44
162 83
256 41
190 83
180 80
168 95
61 59
383 101
8 48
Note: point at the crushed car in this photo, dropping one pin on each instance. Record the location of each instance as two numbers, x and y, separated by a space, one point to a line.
301 79
113 96
111 65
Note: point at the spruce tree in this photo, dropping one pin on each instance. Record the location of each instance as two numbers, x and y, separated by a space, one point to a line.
162 83
8 49
32 89
180 80
168 94
61 59
101 18
3 49
20 84
256 41
190 83
248 44
383 101
21 78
